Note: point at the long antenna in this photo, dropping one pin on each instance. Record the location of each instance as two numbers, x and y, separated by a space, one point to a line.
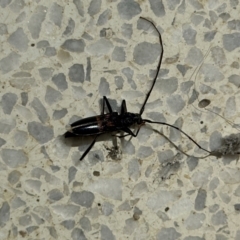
180 130
158 67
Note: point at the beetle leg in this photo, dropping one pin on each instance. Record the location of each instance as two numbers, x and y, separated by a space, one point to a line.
123 107
89 148
129 131
105 100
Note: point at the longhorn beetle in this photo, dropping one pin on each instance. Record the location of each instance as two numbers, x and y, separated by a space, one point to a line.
113 121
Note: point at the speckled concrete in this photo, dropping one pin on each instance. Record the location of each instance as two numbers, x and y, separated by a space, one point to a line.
58 59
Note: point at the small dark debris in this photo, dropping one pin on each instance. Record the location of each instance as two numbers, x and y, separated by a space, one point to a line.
23 233
204 103
96 173
237 207
136 216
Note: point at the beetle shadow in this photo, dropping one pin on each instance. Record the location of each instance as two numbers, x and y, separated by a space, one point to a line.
82 142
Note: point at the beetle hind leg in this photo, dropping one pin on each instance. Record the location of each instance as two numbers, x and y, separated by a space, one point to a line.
89 148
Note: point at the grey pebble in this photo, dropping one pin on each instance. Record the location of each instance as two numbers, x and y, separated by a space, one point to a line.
144 152
209 36
40 110
200 200
157 7
235 79
3 29
104 17
168 234
66 210
134 169
31 229
150 51
175 103
76 73
19 40
79 6
74 45
45 73
85 224
43 44
194 56
43 212
107 208
53 232
128 72
193 238
4 214
194 221
100 48
118 54
71 174
88 69
106 233
127 30
127 9
219 218
36 20
119 82
7 125
192 163
78 234
17 202
214 184
2 142
52 96
94 7
211 73
231 41
172 4
14 158
13 177
69 28
103 87
25 220
50 52
167 86
175 135
59 114
68 224
83 198
9 62
189 34
196 4
55 195
56 14
60 81
40 132
213 208
8 102
182 7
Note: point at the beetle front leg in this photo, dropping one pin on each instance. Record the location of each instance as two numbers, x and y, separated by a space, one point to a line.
123 107
105 100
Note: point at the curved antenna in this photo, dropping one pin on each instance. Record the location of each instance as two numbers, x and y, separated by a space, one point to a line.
180 130
158 67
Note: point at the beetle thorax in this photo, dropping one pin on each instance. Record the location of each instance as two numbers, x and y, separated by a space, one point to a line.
132 118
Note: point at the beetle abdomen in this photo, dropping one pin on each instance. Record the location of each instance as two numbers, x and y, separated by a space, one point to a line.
84 127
